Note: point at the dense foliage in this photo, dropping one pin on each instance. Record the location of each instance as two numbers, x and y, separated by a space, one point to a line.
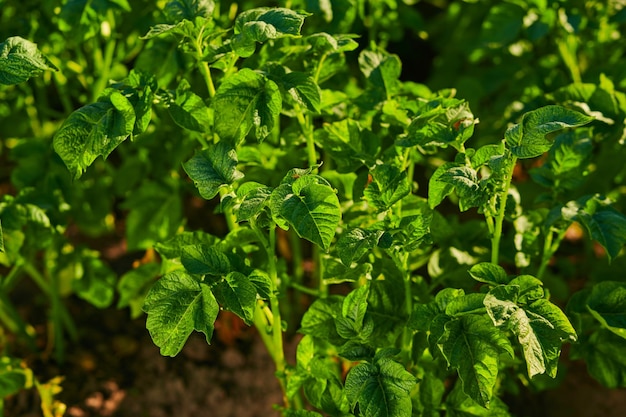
259 157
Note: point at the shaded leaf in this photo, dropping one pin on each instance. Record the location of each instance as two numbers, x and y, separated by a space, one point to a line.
607 303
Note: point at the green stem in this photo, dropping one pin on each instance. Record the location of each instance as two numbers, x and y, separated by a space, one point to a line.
304 289
14 323
277 330
499 220
105 66
63 315
318 70
203 65
11 279
231 220
274 344
550 246
307 130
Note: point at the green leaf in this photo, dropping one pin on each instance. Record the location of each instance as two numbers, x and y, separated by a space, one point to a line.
1 239
84 17
263 24
352 324
502 24
381 389
96 283
351 246
603 223
203 259
566 167
173 247
389 185
310 206
134 285
382 70
489 273
213 168
303 89
177 10
255 197
466 184
349 145
94 130
604 354
262 282
608 227
437 189
178 304
528 138
541 327
155 215
386 308
13 376
237 294
458 404
20 60
245 100
319 319
607 303
472 345
188 110
466 304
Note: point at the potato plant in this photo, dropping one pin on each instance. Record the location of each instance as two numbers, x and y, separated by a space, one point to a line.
433 255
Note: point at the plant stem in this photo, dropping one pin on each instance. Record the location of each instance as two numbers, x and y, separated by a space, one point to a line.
307 130
105 65
62 317
499 220
274 344
231 220
203 65
304 289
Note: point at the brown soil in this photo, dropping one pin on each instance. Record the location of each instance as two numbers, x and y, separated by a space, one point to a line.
116 370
